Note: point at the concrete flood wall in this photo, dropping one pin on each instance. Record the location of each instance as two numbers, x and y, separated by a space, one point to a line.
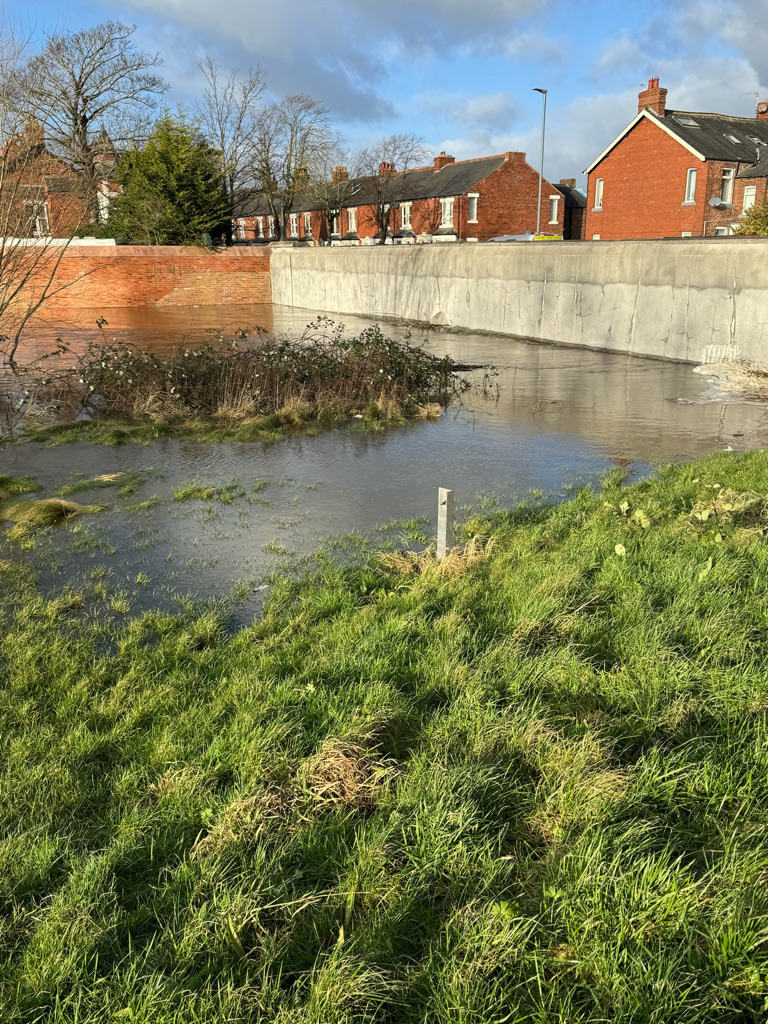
694 300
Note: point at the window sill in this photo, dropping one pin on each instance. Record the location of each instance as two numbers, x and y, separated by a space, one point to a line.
472 222
692 203
597 209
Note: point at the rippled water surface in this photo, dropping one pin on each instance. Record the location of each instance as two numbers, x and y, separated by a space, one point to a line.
551 418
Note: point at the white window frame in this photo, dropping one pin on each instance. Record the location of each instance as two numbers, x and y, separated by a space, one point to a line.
294 225
599 185
472 207
446 212
241 228
720 231
405 215
750 197
335 225
554 209
38 219
595 238
690 186
352 218
726 185
687 234
307 225
259 227
271 225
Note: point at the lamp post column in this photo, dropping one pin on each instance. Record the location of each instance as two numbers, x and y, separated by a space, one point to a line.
541 162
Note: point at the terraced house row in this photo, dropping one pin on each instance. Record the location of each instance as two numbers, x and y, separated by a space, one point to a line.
450 201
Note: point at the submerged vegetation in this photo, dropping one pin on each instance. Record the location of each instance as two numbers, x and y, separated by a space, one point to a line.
255 388
528 783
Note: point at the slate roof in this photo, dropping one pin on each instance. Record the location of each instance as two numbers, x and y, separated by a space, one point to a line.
56 184
573 196
714 135
421 183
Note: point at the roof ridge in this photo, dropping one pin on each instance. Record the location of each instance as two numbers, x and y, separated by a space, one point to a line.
708 113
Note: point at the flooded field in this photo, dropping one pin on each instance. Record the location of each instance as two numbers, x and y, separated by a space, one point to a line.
545 419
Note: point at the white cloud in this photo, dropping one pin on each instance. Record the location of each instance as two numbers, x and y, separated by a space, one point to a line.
490 111
341 51
619 54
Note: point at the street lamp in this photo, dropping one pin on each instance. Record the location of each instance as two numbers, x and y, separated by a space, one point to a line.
541 164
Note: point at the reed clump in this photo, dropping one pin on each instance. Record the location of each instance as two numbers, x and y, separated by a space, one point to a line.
255 386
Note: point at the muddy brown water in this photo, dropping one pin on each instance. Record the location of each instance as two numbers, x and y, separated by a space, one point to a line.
550 419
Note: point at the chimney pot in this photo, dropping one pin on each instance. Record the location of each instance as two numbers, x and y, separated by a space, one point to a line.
653 98
442 160
762 110
514 157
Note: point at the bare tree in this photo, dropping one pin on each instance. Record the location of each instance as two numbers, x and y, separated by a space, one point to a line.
292 135
229 114
328 184
385 164
83 85
39 196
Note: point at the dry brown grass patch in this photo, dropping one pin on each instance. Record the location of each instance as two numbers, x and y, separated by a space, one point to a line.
345 773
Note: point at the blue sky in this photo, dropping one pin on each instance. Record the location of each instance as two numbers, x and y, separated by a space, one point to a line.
459 73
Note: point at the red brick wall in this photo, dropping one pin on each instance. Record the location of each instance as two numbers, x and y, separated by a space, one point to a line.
135 275
644 188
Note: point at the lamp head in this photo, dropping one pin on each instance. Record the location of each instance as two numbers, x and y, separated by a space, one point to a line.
542 91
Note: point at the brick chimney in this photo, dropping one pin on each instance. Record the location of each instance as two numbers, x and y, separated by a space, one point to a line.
386 168
339 174
762 110
653 98
568 182
35 132
515 157
442 160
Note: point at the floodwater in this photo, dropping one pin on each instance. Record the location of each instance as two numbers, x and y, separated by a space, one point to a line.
545 419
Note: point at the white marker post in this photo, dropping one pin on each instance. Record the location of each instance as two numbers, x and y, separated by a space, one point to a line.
444 522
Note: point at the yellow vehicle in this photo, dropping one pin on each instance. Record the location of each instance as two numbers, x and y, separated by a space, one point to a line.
547 238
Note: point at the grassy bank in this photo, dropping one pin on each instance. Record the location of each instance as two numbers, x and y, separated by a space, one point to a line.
526 784
251 389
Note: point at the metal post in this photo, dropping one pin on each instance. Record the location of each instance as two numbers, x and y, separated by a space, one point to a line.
444 522
541 162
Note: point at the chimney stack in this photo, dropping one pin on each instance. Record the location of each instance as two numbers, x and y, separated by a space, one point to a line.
568 182
339 174
515 157
442 160
762 110
386 168
653 98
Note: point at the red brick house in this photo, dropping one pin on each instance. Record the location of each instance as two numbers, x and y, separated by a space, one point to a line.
451 201
674 173
41 196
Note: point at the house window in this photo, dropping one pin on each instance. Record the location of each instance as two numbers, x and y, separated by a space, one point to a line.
726 186
446 213
595 238
271 226
38 220
690 186
553 204
259 227
294 225
721 231
472 218
307 225
335 225
352 215
687 234
241 228
405 215
750 196
598 194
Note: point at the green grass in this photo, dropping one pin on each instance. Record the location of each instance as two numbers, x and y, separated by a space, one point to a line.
196 490
126 482
529 784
